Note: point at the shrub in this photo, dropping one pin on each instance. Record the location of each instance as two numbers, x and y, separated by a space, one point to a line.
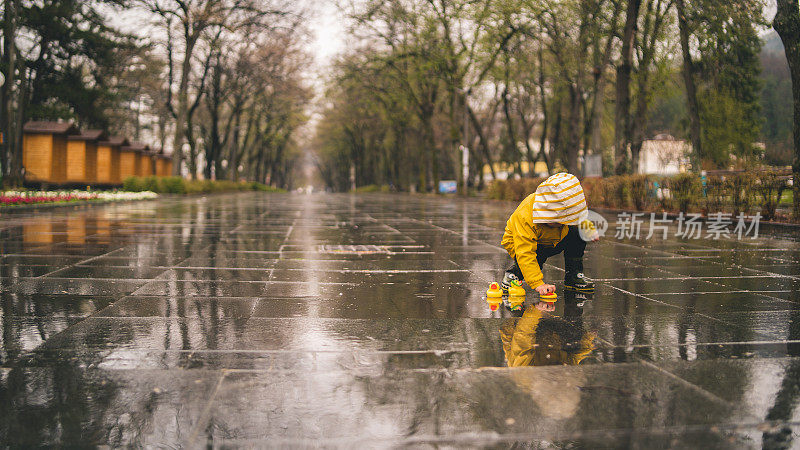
640 192
368 188
151 184
172 185
178 185
714 194
530 185
593 190
515 190
615 191
685 189
256 186
770 185
734 193
496 190
740 189
662 194
133 184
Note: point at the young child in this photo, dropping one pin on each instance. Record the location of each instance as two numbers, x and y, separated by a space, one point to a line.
546 224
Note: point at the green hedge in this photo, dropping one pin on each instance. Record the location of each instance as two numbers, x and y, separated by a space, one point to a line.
744 192
179 185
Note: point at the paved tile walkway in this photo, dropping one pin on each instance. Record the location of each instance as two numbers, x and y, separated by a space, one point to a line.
273 319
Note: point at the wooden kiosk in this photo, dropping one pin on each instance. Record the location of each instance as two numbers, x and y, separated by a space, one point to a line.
44 150
163 164
146 158
108 160
129 160
82 156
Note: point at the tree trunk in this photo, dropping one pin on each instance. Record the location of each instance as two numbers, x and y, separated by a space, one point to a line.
555 141
638 127
11 177
691 89
431 143
574 135
214 143
526 137
511 145
622 117
545 115
787 24
183 107
192 150
482 140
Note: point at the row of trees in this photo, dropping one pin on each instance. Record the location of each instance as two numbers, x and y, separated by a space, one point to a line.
221 81
511 78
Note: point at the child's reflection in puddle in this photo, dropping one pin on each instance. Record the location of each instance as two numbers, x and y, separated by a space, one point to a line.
539 338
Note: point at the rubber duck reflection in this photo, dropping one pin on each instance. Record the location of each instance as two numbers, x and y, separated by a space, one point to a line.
541 339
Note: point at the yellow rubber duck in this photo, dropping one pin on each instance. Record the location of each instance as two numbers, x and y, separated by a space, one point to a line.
494 296
515 290
516 297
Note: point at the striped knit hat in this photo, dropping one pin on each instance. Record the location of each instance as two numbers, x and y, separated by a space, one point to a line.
560 199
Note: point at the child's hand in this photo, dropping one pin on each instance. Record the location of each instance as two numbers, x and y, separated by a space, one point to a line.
545 289
588 231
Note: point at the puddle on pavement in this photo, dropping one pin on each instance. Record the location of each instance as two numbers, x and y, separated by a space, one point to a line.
250 317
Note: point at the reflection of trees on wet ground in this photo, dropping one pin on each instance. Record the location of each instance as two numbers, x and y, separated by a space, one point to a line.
68 401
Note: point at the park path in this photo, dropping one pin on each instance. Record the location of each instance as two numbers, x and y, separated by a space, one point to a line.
277 319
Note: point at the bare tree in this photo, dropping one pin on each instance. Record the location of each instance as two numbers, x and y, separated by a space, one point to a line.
185 22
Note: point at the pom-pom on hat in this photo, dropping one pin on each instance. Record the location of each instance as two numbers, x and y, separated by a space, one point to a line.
560 199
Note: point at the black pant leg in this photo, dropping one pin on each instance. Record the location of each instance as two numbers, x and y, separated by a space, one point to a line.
542 253
572 245
516 270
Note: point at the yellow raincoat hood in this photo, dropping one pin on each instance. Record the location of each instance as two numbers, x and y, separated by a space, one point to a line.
560 199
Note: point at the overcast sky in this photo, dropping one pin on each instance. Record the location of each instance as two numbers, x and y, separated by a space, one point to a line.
325 23
328 29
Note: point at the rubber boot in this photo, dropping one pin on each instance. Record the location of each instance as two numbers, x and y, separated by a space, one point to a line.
576 299
512 277
574 280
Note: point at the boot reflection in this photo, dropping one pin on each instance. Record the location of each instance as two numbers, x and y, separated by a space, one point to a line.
542 339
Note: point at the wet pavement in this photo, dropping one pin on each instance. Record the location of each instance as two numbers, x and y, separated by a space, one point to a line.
257 319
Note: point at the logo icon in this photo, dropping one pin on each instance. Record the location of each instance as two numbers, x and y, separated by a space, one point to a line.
593 227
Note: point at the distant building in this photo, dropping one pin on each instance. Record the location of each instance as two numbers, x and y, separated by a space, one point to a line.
664 155
593 165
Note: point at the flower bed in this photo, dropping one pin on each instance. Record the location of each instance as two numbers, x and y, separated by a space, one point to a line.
21 198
